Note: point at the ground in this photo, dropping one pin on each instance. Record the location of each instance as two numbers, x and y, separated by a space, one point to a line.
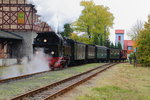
11 89
121 82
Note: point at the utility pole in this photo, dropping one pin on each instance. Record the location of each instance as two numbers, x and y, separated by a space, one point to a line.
57 25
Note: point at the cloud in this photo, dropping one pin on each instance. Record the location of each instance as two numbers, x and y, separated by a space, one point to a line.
58 12
126 12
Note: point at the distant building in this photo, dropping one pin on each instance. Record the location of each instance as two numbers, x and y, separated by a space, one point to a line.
119 37
126 44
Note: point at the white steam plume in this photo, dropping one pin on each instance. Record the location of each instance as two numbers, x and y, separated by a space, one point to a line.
38 63
58 12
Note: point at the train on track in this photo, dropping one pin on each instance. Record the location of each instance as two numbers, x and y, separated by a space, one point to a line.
63 51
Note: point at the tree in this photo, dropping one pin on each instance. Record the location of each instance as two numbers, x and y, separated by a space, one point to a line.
119 46
135 30
67 30
74 36
108 43
112 45
83 38
143 45
116 46
101 40
95 21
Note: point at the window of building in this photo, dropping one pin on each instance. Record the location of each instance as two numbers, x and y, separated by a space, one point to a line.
129 47
119 38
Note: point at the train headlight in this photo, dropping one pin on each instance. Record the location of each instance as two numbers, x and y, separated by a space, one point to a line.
36 52
45 40
52 52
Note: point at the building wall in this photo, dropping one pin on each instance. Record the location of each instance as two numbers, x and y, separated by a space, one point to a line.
127 44
6 48
3 50
25 47
13 1
20 17
121 39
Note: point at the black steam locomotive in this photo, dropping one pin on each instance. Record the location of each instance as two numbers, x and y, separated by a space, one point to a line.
63 51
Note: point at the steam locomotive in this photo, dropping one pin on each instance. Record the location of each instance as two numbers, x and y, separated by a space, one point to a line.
63 51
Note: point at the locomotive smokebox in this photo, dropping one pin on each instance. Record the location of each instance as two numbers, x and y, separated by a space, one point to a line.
53 45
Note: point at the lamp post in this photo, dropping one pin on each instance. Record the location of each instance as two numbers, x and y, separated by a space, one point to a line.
135 60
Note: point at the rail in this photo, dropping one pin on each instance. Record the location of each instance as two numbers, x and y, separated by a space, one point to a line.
53 90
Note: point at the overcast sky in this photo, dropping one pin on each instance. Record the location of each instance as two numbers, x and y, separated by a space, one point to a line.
126 12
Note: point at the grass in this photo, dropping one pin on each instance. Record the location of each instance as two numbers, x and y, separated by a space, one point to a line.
113 93
123 82
8 90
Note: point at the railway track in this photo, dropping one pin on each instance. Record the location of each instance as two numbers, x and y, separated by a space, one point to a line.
51 91
21 77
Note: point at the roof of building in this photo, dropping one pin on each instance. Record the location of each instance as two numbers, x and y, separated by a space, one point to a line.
9 35
128 43
119 31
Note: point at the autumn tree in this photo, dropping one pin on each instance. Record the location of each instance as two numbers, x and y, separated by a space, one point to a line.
135 30
95 21
143 45
75 37
82 38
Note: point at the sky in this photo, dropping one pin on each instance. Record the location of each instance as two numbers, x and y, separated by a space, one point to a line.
126 12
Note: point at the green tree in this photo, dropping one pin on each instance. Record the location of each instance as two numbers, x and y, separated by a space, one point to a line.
116 46
95 39
112 45
119 46
143 45
74 36
67 30
95 21
108 43
83 38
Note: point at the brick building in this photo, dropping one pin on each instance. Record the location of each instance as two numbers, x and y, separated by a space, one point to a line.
128 45
19 24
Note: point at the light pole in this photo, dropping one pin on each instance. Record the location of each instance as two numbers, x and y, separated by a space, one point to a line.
135 60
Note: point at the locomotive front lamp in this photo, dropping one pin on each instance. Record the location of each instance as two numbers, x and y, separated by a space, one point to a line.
36 52
45 40
52 52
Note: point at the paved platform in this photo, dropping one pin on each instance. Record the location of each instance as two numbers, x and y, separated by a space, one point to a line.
17 70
